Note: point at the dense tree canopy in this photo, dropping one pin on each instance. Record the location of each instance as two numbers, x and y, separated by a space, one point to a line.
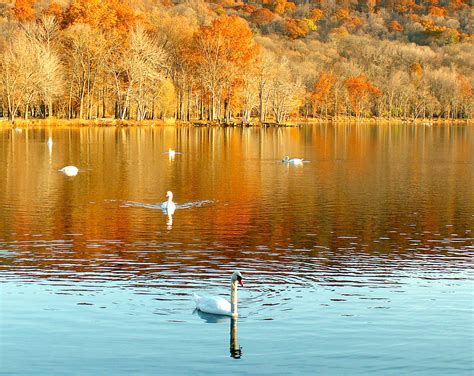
226 59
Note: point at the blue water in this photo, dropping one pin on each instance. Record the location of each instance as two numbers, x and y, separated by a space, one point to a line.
359 262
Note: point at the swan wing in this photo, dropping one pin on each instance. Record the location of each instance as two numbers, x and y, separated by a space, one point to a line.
213 304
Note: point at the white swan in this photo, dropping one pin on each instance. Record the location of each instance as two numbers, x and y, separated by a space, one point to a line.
295 161
169 206
171 153
70 170
218 305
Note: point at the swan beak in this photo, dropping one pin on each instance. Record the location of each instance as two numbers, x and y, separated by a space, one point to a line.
241 282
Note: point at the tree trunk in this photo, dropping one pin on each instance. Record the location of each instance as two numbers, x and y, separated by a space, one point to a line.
188 109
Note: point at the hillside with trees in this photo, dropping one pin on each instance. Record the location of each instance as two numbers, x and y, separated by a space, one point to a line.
236 61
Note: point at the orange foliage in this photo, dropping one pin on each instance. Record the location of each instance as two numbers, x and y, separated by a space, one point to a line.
436 32
228 40
106 15
370 4
246 8
322 89
395 26
414 17
437 11
262 16
295 28
339 31
360 90
316 15
403 6
341 14
279 6
290 7
456 4
221 53
23 10
465 88
354 22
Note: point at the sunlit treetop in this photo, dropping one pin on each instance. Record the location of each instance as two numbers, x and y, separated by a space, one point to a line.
23 10
105 15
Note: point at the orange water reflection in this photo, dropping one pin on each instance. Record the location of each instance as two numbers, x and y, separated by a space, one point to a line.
384 193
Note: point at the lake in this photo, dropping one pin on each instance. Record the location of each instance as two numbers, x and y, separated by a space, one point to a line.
357 262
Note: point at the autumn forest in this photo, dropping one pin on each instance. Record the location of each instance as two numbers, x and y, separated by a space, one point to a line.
230 61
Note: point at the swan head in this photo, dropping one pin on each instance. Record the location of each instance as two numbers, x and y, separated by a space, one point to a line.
286 158
237 277
169 195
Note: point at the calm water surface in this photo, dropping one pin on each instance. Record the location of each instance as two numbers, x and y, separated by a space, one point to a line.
359 262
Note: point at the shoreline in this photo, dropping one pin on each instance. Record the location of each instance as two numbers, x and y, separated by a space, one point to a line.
294 123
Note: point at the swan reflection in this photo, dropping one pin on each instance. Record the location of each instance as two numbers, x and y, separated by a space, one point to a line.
169 221
235 349
50 147
210 318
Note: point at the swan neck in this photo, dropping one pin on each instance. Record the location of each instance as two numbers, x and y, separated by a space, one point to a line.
233 298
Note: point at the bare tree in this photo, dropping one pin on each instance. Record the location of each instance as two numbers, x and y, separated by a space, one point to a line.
144 67
285 91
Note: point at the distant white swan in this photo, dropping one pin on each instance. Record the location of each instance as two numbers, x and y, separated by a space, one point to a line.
295 161
169 206
171 153
218 305
70 170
